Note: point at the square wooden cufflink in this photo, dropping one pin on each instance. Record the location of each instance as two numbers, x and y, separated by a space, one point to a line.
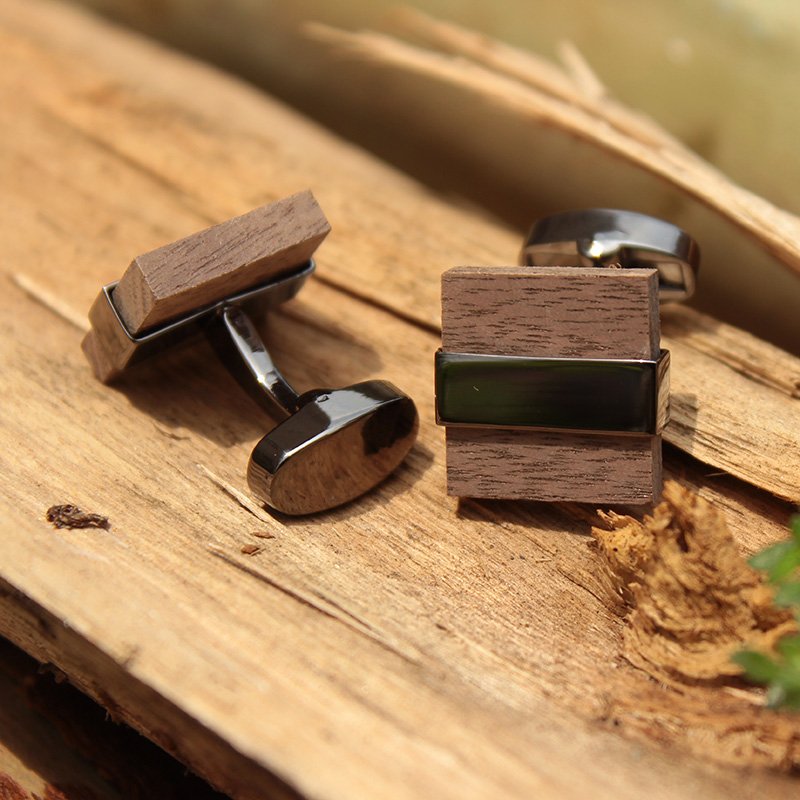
331 445
551 381
170 293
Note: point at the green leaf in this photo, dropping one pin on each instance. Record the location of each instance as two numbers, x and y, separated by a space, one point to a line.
757 667
778 561
766 559
791 701
780 674
784 694
789 648
794 527
788 594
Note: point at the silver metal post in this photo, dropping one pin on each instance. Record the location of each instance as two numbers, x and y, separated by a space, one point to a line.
254 367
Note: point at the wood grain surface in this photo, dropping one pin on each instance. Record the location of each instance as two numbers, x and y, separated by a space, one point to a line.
405 646
199 270
552 312
219 261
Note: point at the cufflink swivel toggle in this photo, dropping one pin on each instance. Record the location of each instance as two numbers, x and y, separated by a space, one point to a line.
601 237
332 445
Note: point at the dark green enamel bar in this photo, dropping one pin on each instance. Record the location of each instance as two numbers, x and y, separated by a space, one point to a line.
576 394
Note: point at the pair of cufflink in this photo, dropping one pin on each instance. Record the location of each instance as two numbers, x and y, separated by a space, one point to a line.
334 445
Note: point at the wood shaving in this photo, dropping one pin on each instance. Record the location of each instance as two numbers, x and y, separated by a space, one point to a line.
70 516
690 601
694 599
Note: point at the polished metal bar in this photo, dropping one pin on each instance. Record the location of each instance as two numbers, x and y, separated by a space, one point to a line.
253 366
129 349
577 394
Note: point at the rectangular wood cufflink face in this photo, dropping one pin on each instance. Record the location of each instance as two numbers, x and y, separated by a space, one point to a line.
176 281
552 313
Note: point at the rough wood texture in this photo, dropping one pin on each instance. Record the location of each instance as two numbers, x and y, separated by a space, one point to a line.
199 270
552 312
56 744
406 646
219 261
691 601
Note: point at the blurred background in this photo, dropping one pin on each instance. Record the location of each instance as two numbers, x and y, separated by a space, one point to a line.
721 75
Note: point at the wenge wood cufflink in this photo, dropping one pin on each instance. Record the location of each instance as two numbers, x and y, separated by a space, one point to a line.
551 381
333 444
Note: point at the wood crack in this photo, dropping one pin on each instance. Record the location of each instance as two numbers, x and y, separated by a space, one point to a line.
321 604
370 300
45 298
240 497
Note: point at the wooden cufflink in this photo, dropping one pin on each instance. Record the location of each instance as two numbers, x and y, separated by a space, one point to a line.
333 444
551 382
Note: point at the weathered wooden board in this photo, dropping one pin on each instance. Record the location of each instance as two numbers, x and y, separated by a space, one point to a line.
56 744
552 312
251 152
403 646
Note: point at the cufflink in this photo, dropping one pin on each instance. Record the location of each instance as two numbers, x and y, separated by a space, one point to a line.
551 382
601 237
332 445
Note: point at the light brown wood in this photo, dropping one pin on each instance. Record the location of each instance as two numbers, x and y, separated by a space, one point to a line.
552 312
199 270
363 263
406 646
527 136
56 744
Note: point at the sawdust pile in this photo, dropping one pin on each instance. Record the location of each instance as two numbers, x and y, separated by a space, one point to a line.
691 600
694 599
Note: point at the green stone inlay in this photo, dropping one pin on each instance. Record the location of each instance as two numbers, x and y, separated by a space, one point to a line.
552 393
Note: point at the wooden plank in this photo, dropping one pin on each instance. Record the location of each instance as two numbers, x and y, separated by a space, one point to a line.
552 312
404 646
56 744
337 644
240 145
